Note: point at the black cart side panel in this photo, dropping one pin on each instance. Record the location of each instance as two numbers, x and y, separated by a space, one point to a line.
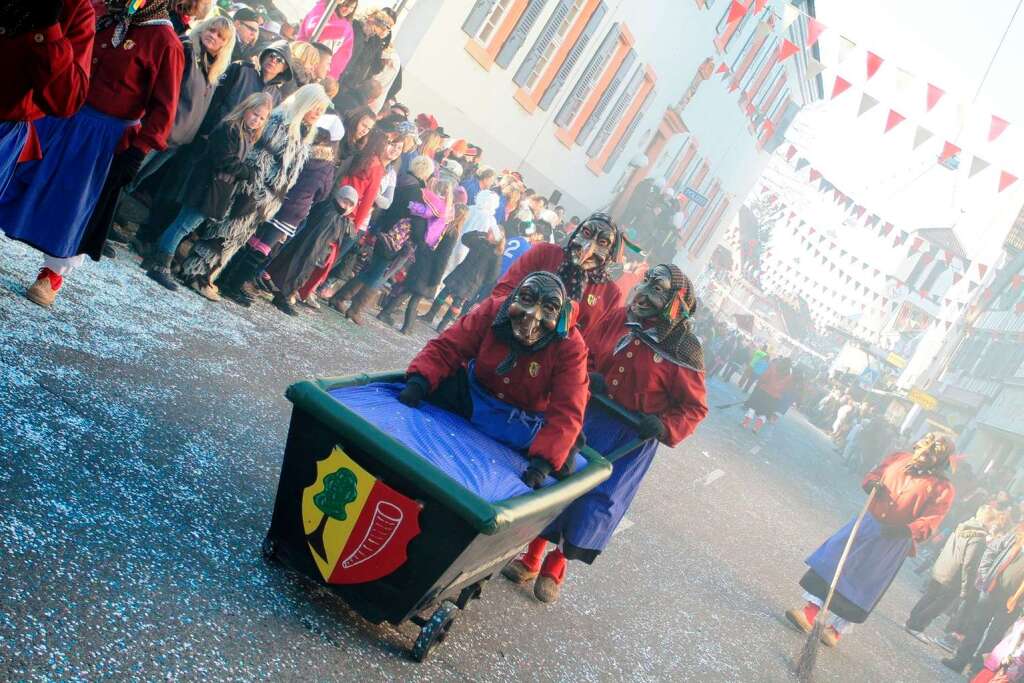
442 540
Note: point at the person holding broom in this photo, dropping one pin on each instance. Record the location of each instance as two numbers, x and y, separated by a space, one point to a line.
910 495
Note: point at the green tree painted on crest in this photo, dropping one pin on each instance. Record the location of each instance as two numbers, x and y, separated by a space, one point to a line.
339 491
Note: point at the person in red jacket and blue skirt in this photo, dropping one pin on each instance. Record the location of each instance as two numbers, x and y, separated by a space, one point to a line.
645 357
516 368
912 496
86 158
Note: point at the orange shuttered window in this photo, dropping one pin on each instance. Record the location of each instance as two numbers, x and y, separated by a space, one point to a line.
607 69
624 116
498 29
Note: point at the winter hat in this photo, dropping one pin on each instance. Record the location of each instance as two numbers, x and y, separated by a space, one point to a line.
246 14
453 167
346 192
331 122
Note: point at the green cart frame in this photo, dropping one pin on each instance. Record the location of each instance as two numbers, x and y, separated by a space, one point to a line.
463 539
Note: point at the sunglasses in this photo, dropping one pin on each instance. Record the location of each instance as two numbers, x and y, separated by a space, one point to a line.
249 27
273 57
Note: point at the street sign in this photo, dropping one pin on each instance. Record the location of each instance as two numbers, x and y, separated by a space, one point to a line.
896 360
923 399
695 197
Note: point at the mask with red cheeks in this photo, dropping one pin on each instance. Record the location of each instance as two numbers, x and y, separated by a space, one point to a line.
535 309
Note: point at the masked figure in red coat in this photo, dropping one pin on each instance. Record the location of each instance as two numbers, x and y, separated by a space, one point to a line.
583 266
516 368
647 359
59 204
912 497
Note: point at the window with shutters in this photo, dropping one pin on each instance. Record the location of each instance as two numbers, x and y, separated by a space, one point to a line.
593 120
768 49
726 31
623 142
622 120
498 28
768 87
557 49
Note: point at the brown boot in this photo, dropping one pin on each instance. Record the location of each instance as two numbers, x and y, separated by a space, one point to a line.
44 290
359 302
348 291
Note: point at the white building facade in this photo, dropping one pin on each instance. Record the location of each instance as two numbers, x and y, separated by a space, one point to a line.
589 97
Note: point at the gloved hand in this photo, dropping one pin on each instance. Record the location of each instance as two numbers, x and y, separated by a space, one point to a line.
416 389
536 472
597 384
872 485
127 164
896 531
650 425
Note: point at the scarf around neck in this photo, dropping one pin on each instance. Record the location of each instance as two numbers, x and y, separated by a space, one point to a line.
123 15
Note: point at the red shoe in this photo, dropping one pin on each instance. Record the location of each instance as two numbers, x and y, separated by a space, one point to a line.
804 618
552 574
745 423
758 423
830 636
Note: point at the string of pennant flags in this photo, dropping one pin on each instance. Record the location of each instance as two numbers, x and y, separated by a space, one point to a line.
932 94
869 219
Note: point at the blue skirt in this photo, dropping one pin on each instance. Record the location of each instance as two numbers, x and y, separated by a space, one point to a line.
49 202
586 526
873 563
13 135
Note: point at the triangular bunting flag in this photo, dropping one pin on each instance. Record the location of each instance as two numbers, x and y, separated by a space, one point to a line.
921 136
1006 179
734 86
723 68
815 174
790 152
789 14
814 29
841 85
996 128
814 68
759 5
948 151
736 12
846 46
886 229
916 244
802 163
957 277
874 64
786 50
977 166
866 102
982 269
894 119
935 94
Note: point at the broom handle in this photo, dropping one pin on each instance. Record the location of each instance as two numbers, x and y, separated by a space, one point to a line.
846 551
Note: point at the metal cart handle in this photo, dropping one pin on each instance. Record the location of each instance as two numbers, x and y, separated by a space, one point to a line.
625 416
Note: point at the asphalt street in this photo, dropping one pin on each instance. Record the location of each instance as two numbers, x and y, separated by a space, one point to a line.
141 440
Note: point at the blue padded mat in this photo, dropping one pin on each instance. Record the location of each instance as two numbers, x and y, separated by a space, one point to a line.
489 469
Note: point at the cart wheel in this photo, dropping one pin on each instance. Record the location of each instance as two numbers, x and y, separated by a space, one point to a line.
269 549
434 631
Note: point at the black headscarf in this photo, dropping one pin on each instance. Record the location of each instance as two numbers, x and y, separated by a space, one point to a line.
672 336
573 275
502 324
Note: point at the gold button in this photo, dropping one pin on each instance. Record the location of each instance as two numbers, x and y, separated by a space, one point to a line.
621 369
615 382
501 395
506 380
629 354
636 342
39 38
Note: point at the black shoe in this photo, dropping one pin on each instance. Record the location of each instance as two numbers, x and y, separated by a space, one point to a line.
281 303
386 319
109 251
163 277
239 296
954 664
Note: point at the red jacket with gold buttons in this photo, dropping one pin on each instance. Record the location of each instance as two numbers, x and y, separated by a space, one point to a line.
640 379
915 501
552 381
139 79
598 299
